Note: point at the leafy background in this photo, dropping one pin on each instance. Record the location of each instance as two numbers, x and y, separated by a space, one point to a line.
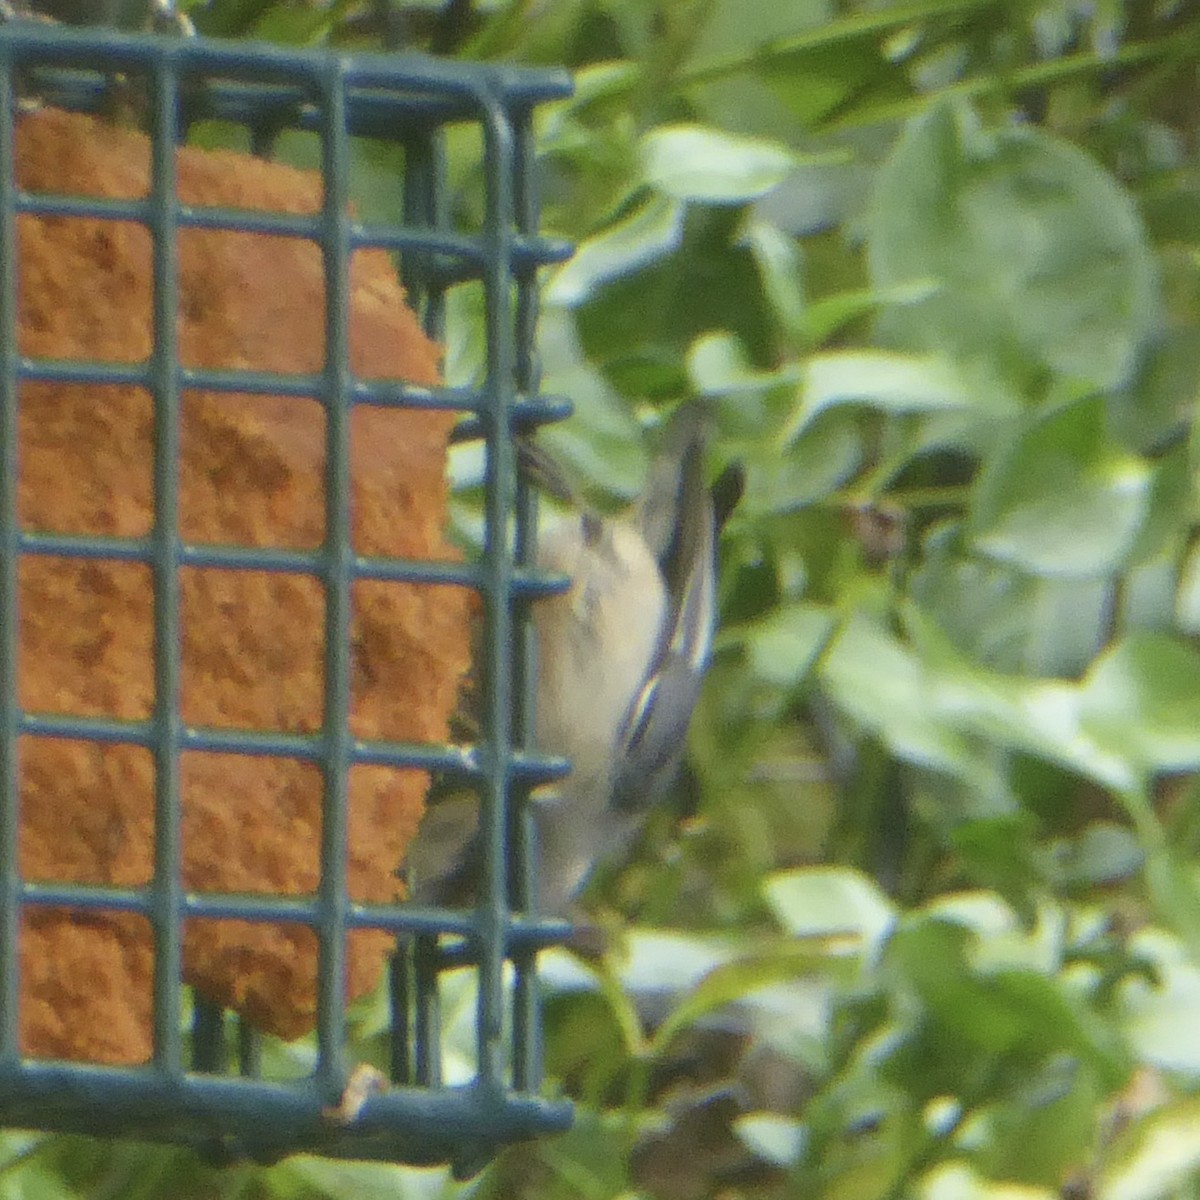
926 917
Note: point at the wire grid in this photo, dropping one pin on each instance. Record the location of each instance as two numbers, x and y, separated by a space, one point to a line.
400 98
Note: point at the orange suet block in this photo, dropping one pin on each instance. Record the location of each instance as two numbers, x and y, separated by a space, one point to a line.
251 474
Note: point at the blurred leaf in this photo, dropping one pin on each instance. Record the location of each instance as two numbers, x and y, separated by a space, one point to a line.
1043 1128
669 961
697 162
1103 853
960 1181
1157 1158
294 25
649 232
1143 697
783 646
365 1181
560 971
816 82
1159 398
830 902
1005 619
731 27
1187 601
781 266
827 315
1038 717
709 282
895 383
1002 940
1040 254
717 364
1061 500
1159 1016
788 968
602 445
817 463
776 1139
1000 1010
882 684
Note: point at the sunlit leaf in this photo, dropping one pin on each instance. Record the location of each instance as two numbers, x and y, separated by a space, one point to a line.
780 264
775 1138
824 317
718 364
895 383
1160 1016
365 1181
960 1181
1103 853
1187 599
697 162
1157 1158
830 902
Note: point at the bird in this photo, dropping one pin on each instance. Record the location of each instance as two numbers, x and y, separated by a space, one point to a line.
621 656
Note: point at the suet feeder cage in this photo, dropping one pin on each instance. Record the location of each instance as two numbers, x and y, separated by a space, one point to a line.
232 630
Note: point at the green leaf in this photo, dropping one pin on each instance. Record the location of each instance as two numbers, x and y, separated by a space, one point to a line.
1142 698
602 443
1104 853
931 957
649 233
698 162
831 902
718 365
781 267
1159 400
1157 1158
895 383
1036 716
1041 256
783 646
365 1181
1187 598
879 682
1002 940
960 1181
828 315
816 464
657 309
1042 1126
791 969
773 1137
1160 1018
816 82
1061 499
1004 619
975 1008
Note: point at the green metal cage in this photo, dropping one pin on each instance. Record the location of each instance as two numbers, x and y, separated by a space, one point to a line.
196 1091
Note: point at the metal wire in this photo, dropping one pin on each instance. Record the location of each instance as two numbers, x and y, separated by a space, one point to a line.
408 100
10 617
